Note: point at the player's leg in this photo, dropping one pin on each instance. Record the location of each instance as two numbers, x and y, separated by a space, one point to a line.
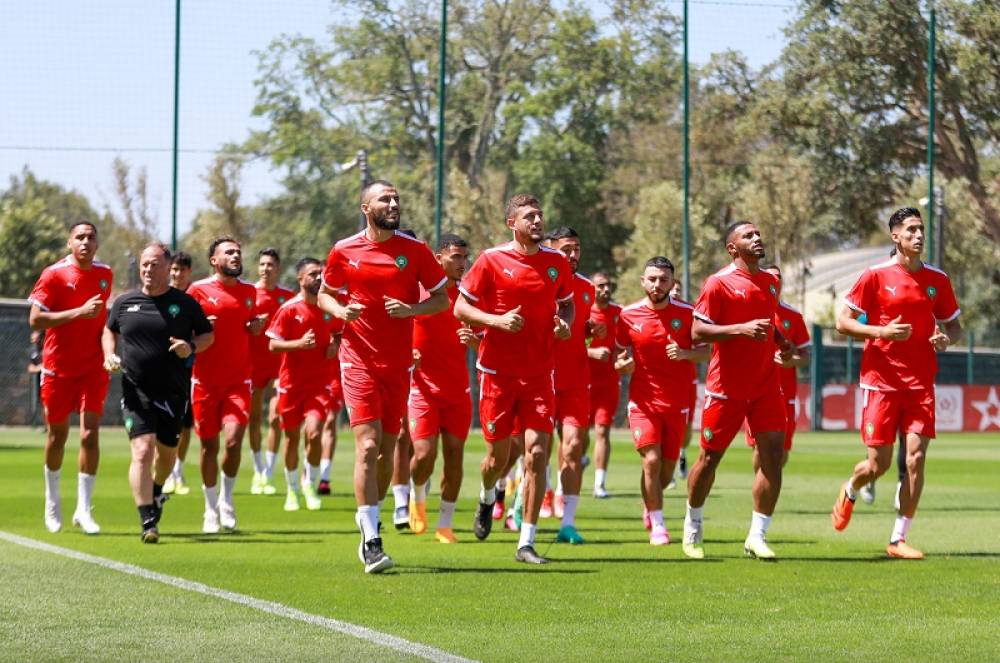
453 453
254 435
329 444
571 478
313 431
602 456
536 452
88 461
425 424
652 491
400 481
272 444
291 422
55 448
140 478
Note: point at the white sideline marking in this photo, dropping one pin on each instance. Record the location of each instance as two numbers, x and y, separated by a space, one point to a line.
360 632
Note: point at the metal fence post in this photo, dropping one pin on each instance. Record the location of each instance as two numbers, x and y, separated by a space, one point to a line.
816 377
969 358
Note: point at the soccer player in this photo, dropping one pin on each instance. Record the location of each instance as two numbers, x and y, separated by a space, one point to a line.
264 370
180 278
521 293
301 333
792 327
658 331
904 301
572 384
439 402
149 336
68 303
605 382
735 313
220 394
382 271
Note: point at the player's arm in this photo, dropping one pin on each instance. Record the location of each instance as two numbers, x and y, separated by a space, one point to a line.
468 337
599 354
695 355
625 362
951 334
435 303
109 344
40 319
849 325
799 358
704 331
469 313
565 311
327 301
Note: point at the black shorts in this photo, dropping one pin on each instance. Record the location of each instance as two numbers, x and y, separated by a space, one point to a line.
188 414
144 415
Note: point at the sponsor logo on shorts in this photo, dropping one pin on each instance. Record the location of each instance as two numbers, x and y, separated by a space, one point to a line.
173 310
553 273
708 434
675 323
931 291
402 262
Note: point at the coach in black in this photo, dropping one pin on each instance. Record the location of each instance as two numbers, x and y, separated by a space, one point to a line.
149 335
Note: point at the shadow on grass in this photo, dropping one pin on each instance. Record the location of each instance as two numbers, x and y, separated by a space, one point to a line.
639 560
544 569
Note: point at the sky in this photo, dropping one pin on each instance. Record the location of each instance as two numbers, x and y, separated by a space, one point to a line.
85 82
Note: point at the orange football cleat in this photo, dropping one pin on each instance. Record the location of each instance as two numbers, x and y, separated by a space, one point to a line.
842 510
902 550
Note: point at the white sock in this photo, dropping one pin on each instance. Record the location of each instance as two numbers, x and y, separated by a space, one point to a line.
178 471
759 524
312 475
84 491
420 493
228 483
600 476
324 469
901 529
445 514
570 503
487 495
849 489
401 494
368 520
211 497
693 517
292 479
258 462
52 484
527 535
269 460
559 490
656 518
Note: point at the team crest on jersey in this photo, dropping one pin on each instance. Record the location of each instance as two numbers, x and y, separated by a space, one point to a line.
281 300
786 324
326 317
553 273
586 298
402 262
774 291
708 434
675 323
173 310
249 303
104 284
931 291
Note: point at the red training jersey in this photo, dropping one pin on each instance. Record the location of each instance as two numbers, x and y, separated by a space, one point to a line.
303 369
74 348
790 324
443 371
572 363
226 361
502 279
370 271
603 372
268 302
658 380
741 368
922 299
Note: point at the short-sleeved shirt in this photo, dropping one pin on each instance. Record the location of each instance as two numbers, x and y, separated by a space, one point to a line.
227 361
922 299
792 327
72 349
572 363
303 369
741 368
144 325
370 271
264 361
603 372
658 381
502 279
443 370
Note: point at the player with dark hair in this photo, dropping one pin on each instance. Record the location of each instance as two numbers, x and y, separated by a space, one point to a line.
149 336
439 402
220 393
605 382
521 293
735 313
301 334
658 332
904 301
382 271
264 370
180 277
68 303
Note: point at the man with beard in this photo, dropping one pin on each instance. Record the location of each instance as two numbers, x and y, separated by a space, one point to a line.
68 303
605 383
149 336
382 271
735 313
180 278
439 396
301 334
521 293
658 331
220 396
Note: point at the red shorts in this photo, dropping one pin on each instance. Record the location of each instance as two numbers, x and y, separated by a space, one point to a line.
335 391
430 415
502 398
604 402
295 405
214 406
789 428
722 417
573 407
64 395
373 394
260 381
664 427
885 413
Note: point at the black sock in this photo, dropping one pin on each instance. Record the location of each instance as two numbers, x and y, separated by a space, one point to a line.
157 490
147 515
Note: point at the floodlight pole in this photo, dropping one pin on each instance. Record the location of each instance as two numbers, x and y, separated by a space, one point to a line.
177 88
442 53
685 239
931 112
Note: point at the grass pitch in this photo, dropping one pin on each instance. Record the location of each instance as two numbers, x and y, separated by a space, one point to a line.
830 595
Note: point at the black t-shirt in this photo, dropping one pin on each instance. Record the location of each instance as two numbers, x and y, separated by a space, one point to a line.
144 326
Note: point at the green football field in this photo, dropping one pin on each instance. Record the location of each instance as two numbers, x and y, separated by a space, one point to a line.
831 596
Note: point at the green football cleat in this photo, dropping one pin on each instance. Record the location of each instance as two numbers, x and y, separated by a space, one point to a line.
257 484
313 502
269 487
692 545
518 511
568 534
180 487
168 485
291 501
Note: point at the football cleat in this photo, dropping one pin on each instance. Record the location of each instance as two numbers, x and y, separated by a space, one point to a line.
210 522
568 534
528 555
482 523
867 493
558 506
692 544
659 537
902 550
600 493
257 484
169 485
445 535
227 515
401 517
53 519
842 509
323 488
85 521
180 487
292 501
499 507
375 559
418 517
755 547
313 502
546 510
269 488
150 535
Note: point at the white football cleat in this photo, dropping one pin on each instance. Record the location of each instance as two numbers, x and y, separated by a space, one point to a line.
227 515
756 547
53 516
210 524
85 521
867 493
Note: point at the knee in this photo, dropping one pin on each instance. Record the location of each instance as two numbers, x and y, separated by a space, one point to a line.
915 461
88 438
368 451
142 452
535 457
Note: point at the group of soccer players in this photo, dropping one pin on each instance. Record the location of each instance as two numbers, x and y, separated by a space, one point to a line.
385 323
